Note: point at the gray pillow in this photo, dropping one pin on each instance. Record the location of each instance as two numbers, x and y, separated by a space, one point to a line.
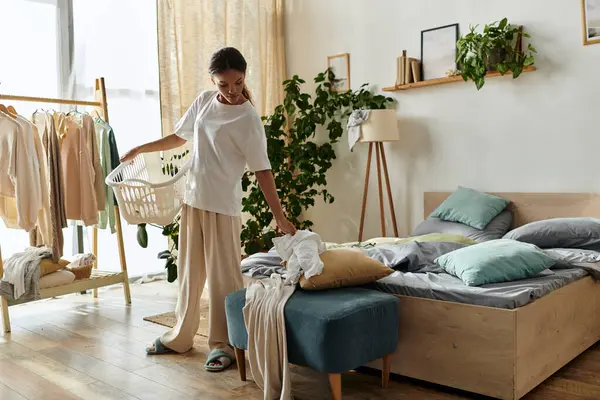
575 233
494 230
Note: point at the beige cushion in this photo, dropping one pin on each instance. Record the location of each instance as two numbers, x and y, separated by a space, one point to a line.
345 267
57 278
47 266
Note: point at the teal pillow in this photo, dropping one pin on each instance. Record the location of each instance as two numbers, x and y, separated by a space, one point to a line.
470 207
495 261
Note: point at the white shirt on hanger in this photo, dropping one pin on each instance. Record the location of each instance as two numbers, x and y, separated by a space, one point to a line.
226 139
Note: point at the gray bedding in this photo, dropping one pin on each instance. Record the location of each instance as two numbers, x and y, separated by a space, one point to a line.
410 256
442 286
417 274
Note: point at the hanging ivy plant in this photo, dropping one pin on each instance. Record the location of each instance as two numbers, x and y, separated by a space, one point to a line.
497 48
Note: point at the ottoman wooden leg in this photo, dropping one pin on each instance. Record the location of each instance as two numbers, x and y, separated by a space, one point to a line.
335 381
240 357
385 371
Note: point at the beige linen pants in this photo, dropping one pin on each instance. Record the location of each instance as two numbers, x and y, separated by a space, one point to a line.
209 247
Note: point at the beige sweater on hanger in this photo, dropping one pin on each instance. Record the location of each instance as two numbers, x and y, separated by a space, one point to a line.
82 172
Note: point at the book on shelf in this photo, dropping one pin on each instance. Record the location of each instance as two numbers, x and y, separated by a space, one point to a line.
415 66
401 69
408 69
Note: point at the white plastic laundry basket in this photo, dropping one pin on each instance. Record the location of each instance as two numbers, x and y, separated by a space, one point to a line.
150 189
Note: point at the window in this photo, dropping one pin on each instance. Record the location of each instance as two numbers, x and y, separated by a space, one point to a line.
114 39
29 63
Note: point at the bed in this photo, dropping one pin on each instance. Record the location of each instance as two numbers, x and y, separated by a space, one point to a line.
494 351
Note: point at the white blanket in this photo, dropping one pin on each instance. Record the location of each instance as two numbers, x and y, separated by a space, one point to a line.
264 312
267 340
355 120
22 273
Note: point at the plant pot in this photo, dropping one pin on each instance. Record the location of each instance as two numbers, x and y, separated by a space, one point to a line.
497 55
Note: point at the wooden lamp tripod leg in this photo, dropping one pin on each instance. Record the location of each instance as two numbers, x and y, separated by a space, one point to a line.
365 193
389 190
381 207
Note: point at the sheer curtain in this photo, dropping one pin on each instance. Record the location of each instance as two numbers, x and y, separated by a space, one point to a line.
189 31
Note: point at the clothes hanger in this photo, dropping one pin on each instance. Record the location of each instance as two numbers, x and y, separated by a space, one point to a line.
12 110
5 111
75 112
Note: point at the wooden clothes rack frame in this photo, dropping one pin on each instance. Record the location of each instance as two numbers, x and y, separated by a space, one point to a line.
98 278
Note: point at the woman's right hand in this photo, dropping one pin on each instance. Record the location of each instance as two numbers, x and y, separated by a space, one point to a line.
286 226
131 154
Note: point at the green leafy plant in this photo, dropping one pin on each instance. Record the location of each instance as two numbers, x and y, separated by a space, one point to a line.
298 162
498 47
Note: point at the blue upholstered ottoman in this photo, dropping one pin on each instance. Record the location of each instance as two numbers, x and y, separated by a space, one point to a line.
330 331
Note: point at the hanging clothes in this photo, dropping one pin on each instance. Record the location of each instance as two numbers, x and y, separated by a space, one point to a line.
82 173
53 170
106 217
56 192
114 154
43 225
89 136
19 174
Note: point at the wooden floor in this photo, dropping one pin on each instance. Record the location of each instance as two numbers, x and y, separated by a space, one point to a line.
76 347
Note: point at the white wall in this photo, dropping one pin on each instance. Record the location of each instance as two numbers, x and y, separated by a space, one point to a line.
537 133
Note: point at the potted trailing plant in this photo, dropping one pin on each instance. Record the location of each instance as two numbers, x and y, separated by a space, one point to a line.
299 164
498 48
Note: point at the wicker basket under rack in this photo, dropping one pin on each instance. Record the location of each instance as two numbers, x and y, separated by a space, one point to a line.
81 272
149 189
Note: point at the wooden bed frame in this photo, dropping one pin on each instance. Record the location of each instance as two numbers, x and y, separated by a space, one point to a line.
498 352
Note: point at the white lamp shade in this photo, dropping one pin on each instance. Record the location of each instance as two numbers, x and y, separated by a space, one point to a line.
381 126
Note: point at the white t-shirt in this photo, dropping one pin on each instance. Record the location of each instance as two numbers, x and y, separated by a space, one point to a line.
226 139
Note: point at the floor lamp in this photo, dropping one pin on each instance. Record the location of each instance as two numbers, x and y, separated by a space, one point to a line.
380 126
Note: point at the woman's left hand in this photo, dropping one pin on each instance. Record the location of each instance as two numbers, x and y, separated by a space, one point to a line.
286 226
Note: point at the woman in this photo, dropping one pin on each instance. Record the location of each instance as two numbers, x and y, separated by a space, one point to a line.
228 135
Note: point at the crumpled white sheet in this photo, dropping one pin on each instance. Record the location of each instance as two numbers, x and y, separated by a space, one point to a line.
267 340
354 122
264 312
301 254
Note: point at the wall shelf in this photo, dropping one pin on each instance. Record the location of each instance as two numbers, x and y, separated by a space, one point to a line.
450 79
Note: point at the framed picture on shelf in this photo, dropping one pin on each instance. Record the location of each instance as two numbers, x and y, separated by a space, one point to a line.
340 66
438 51
591 21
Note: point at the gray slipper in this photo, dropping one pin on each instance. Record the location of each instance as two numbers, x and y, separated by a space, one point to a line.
158 349
221 356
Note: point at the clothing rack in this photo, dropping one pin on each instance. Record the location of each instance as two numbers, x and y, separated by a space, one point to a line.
98 278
